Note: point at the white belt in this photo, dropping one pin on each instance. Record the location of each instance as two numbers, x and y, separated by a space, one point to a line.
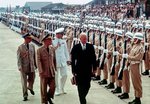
135 62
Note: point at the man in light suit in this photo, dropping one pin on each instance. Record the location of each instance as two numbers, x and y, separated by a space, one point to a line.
83 66
62 59
27 65
47 67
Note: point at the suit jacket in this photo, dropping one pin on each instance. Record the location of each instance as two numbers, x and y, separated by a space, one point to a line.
26 58
83 61
62 54
46 62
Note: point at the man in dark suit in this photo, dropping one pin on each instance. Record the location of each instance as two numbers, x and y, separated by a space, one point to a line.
83 66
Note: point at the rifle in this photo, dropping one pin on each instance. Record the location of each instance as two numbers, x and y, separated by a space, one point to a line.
88 35
93 38
114 57
100 44
145 48
102 62
123 62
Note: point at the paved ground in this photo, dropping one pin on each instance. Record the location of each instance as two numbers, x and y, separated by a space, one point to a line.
10 86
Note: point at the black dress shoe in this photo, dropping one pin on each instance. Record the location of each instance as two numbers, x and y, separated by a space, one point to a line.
135 102
25 99
31 91
104 81
50 101
124 96
117 90
110 86
145 73
96 78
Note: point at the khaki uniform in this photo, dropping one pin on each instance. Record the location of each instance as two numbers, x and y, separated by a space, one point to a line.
126 77
119 44
147 54
46 66
135 58
26 66
69 38
109 62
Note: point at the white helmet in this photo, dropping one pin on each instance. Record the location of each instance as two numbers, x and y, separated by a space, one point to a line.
129 35
139 36
118 32
135 26
147 26
140 25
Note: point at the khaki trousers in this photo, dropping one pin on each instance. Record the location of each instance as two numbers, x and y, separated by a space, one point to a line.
27 80
44 82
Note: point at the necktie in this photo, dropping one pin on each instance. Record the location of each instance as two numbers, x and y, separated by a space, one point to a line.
28 46
47 49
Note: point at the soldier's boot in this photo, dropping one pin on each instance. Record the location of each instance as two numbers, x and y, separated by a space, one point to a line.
117 90
135 101
124 96
110 86
96 78
146 72
104 81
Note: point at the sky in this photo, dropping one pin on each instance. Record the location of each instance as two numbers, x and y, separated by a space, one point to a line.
13 3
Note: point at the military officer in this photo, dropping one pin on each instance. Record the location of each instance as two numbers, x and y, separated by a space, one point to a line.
27 65
62 60
47 68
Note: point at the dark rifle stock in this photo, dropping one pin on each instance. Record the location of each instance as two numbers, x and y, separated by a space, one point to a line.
104 57
120 76
114 59
145 35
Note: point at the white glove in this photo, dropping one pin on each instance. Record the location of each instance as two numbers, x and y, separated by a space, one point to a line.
115 53
105 50
64 37
125 56
105 60
100 47
146 44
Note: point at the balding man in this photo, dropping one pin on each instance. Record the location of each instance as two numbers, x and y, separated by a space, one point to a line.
83 65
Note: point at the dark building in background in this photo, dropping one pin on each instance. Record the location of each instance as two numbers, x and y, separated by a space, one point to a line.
34 6
54 8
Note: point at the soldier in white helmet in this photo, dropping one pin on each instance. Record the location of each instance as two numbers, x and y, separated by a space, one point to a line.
125 76
135 58
147 52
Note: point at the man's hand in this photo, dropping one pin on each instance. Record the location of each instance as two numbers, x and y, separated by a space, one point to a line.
68 62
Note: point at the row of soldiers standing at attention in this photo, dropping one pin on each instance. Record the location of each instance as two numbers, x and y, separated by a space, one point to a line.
120 49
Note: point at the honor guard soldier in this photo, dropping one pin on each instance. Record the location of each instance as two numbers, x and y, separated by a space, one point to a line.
27 65
135 59
125 76
147 51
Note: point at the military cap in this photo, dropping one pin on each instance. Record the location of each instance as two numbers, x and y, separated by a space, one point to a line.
27 35
47 37
59 31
